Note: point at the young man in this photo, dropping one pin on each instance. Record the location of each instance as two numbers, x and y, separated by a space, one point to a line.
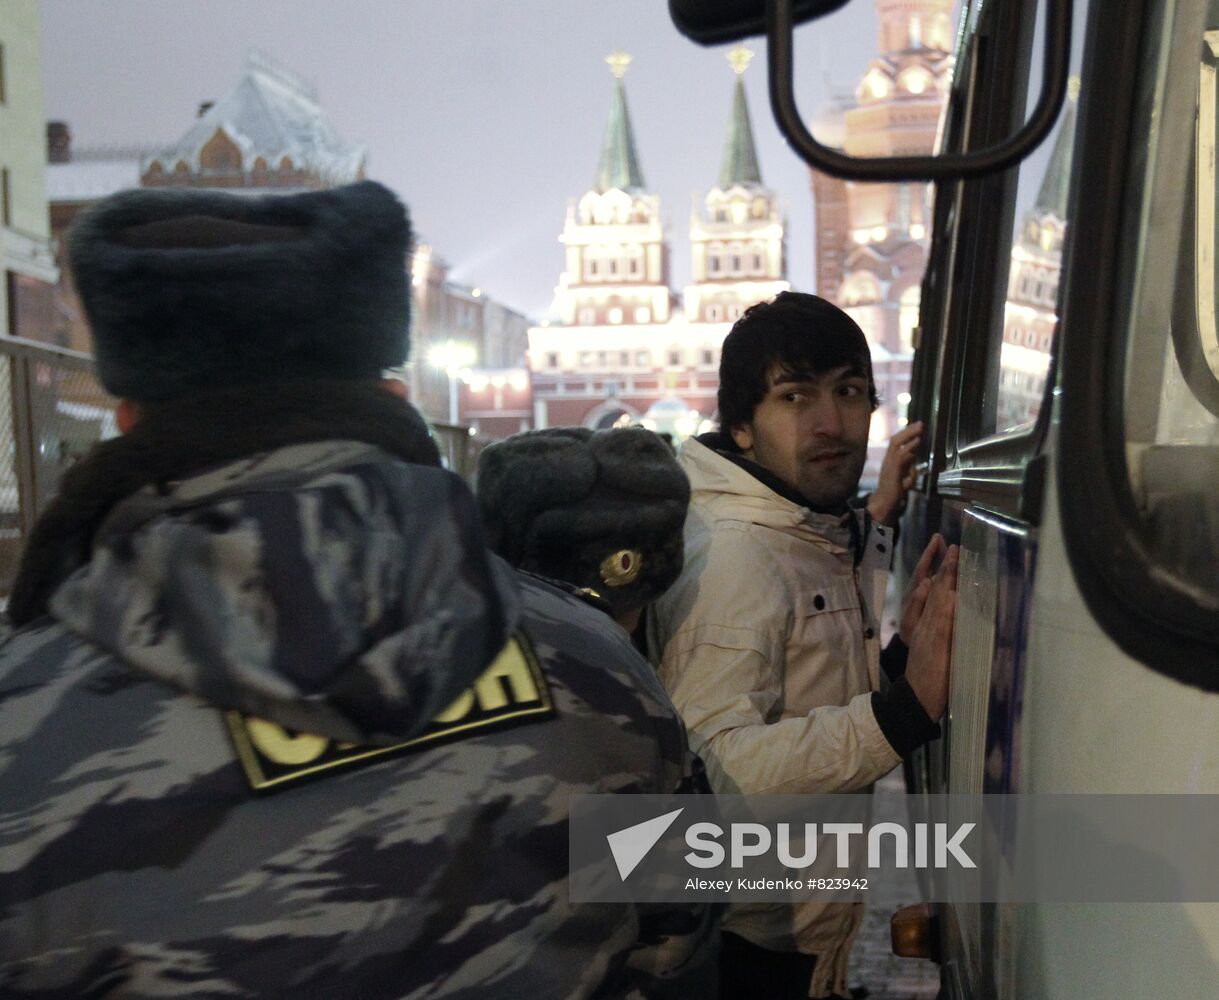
769 643
274 721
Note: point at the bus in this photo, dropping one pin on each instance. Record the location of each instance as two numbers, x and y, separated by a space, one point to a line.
1075 461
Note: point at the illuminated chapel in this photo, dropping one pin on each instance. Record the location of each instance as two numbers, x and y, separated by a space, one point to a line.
620 349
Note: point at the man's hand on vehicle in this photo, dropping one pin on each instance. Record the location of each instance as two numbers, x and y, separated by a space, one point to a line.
897 475
919 588
927 669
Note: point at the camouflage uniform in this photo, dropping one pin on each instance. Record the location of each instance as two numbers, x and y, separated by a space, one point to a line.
379 814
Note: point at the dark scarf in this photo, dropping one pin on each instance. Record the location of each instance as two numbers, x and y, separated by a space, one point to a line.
176 439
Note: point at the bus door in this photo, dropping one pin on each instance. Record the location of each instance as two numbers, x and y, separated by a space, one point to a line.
985 383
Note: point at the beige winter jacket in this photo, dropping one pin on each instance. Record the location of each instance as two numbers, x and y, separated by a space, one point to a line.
769 645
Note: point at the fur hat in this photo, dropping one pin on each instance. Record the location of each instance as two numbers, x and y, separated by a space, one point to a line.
602 510
187 290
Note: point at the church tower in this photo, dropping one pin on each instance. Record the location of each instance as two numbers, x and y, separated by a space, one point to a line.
880 232
617 260
1030 312
737 252
897 109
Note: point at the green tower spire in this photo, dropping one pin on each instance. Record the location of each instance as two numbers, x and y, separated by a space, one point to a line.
1056 184
619 164
740 162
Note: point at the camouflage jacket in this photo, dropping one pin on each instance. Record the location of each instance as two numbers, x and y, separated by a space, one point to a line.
293 731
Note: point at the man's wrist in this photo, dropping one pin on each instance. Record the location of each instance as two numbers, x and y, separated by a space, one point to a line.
893 658
902 718
883 511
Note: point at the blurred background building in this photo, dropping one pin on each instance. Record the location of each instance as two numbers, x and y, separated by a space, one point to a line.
27 265
1030 312
269 134
617 348
872 239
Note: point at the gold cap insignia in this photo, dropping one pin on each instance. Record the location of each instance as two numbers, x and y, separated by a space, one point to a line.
621 568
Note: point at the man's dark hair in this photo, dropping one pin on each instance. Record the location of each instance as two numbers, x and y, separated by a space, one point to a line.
798 332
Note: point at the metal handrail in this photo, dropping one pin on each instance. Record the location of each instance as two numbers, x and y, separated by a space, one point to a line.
21 347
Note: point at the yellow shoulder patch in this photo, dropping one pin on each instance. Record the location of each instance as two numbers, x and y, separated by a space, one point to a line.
510 691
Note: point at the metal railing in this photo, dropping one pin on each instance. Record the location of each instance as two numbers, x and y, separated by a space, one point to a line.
52 410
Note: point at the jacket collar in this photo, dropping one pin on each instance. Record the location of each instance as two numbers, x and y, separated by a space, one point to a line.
738 489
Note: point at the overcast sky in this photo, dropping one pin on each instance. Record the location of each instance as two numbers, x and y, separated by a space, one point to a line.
486 116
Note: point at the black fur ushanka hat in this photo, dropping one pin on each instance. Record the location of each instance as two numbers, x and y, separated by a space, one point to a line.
602 510
188 290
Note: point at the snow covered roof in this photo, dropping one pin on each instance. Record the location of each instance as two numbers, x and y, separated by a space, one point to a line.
91 179
271 112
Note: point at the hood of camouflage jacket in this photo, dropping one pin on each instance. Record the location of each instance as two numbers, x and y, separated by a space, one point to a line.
328 586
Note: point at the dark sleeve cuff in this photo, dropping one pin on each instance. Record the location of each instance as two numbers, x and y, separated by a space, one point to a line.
904 722
893 658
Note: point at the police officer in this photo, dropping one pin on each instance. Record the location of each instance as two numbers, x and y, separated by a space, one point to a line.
600 514
274 722
601 511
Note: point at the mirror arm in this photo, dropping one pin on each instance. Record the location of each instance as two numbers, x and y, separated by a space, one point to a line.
946 166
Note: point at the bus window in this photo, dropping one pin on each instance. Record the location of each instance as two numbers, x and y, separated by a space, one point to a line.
1030 309
1024 330
1172 371
1139 480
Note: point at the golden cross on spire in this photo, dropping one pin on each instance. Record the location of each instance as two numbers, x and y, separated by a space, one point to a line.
618 62
739 57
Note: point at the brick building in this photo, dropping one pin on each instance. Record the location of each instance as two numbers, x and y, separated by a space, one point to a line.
270 134
872 239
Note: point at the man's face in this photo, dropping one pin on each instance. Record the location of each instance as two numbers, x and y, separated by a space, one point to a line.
812 432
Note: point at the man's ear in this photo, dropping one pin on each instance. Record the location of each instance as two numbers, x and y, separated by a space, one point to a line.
742 436
126 415
395 387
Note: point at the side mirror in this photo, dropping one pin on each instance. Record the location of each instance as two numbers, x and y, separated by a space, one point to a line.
713 22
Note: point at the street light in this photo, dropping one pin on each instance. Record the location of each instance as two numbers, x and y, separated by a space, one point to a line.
451 357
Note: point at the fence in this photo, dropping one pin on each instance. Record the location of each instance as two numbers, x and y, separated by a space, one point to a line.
52 410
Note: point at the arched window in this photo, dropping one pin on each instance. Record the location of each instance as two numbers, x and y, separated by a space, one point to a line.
757 259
